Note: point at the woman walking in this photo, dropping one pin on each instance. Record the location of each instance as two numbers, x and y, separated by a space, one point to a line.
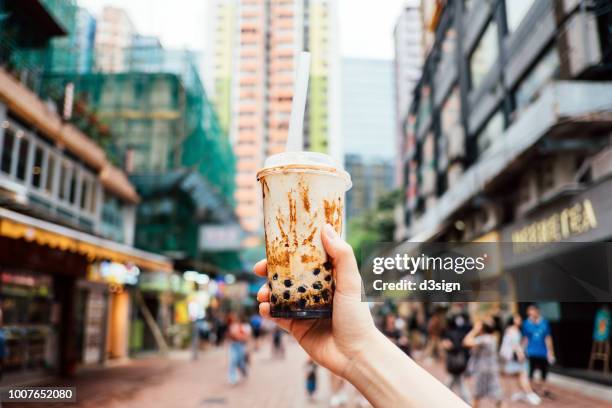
239 333
515 362
483 345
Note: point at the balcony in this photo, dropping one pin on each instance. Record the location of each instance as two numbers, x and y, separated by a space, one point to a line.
564 110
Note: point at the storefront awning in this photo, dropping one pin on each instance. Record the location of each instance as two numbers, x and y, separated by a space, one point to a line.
18 226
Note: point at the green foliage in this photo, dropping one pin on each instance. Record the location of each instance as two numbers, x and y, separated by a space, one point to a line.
375 225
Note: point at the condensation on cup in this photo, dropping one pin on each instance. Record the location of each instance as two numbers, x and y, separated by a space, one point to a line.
302 191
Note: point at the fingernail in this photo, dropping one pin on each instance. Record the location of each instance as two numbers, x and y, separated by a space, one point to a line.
330 232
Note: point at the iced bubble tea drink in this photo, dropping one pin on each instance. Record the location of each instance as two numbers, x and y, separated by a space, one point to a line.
302 191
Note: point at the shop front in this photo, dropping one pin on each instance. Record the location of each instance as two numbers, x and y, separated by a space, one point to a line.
583 218
64 296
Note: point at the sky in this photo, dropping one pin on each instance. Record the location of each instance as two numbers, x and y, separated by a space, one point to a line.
366 26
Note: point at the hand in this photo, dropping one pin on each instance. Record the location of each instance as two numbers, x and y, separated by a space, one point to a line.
332 343
551 358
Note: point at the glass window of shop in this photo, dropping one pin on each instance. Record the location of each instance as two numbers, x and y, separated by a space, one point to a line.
484 55
26 303
492 131
516 10
541 74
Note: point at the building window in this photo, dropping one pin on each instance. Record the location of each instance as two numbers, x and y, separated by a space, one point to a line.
546 69
484 55
491 132
37 167
22 158
424 108
7 150
516 10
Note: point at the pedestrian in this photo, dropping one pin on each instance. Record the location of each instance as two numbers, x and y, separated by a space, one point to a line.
515 362
2 346
483 344
239 333
457 355
255 322
435 328
278 348
311 378
540 352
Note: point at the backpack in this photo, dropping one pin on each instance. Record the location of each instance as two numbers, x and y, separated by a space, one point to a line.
456 361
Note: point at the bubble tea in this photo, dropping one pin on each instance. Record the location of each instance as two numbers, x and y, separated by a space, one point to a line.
302 191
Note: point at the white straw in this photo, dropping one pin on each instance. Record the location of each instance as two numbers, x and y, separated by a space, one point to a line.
300 91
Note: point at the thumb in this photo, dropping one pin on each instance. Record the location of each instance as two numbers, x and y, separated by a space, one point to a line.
348 280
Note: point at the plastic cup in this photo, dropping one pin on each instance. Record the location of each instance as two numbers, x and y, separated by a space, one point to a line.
302 191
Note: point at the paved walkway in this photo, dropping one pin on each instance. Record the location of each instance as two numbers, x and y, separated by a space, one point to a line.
155 382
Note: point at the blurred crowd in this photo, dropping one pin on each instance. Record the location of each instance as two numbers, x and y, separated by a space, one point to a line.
477 353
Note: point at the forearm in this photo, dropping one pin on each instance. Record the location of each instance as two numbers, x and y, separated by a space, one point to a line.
389 378
549 345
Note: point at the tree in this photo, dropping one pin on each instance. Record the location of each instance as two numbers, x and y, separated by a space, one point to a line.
375 225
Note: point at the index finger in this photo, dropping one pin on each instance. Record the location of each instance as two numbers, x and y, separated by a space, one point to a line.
261 268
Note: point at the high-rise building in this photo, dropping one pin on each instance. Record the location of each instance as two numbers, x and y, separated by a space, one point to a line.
114 34
408 36
368 130
220 63
254 44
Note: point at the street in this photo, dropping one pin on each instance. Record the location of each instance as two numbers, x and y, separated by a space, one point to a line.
178 382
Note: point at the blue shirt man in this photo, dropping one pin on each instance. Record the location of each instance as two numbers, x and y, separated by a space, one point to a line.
536 332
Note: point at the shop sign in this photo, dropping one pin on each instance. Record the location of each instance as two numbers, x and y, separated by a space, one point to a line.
586 217
118 273
225 237
236 291
560 225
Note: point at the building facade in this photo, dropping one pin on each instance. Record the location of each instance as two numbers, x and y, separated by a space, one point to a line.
68 267
368 131
408 61
510 124
114 35
255 41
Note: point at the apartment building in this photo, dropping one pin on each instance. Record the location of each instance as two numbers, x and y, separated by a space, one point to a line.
254 44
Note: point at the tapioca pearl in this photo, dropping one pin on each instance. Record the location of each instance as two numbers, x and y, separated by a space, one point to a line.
275 276
316 298
333 286
325 294
286 295
317 285
273 299
316 271
301 289
327 265
302 303
287 283
328 278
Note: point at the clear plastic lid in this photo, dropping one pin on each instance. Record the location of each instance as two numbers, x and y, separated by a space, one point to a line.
307 159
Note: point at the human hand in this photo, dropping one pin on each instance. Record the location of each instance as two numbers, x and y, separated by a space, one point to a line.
332 343
551 358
